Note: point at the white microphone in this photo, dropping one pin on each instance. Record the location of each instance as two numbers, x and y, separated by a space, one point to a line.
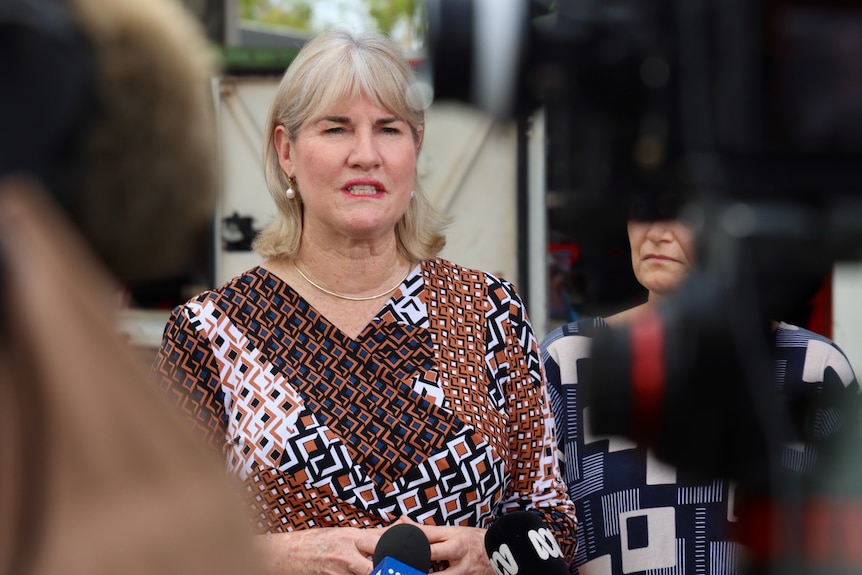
402 550
520 543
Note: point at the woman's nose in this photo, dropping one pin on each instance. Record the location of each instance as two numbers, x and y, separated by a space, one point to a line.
658 231
365 153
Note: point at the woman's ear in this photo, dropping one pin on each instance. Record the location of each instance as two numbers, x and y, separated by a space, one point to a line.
282 144
420 133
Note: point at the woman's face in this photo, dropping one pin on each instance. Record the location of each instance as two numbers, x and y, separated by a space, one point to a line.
662 253
354 166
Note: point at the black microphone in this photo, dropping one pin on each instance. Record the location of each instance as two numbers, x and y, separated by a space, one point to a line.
403 549
520 543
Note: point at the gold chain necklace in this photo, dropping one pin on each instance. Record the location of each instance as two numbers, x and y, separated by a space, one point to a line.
348 297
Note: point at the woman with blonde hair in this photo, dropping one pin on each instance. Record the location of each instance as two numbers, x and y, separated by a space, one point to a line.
355 379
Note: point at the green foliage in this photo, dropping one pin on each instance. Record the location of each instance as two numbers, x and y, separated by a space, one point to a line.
387 13
390 13
248 9
404 17
288 13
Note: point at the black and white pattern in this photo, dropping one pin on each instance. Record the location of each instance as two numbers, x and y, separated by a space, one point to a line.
639 515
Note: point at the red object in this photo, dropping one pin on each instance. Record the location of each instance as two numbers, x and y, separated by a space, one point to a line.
573 251
647 373
820 319
821 533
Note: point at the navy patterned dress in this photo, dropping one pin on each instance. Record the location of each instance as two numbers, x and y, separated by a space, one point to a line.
639 515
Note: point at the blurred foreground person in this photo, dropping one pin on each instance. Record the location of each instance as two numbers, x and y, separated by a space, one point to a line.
354 379
105 177
638 514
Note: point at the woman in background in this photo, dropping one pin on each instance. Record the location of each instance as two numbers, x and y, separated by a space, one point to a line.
638 514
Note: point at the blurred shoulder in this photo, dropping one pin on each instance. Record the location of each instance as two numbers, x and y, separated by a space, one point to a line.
789 335
818 351
572 340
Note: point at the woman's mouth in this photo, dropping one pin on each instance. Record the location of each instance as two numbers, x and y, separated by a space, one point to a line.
362 190
659 257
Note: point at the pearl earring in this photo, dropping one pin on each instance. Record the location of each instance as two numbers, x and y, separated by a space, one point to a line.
289 193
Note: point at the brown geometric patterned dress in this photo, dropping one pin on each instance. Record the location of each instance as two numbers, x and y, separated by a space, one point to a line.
437 410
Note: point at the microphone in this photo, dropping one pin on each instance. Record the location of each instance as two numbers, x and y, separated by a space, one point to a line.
402 550
520 543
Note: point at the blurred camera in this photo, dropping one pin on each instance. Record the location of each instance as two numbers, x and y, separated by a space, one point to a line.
758 101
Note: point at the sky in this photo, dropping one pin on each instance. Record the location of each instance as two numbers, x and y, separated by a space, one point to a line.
351 14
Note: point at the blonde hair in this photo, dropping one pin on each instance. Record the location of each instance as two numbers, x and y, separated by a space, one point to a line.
150 179
334 66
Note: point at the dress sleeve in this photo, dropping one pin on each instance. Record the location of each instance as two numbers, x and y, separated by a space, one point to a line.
565 352
536 483
186 370
557 396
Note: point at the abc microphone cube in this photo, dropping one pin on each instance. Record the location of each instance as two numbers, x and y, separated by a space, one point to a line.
520 543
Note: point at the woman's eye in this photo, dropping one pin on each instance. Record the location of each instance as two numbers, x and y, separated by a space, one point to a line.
335 130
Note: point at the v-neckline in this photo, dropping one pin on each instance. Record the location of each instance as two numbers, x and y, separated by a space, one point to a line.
372 322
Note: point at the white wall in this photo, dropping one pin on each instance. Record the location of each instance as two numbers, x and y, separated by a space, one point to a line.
242 105
847 311
468 168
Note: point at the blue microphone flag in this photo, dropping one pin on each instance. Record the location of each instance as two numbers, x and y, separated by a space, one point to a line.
390 566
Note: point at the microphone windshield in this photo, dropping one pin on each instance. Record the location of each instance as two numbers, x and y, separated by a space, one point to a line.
407 544
521 543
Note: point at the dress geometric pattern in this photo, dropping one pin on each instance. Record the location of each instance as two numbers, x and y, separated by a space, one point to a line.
437 410
639 515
